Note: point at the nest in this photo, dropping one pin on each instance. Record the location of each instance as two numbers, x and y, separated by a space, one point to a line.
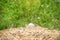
30 33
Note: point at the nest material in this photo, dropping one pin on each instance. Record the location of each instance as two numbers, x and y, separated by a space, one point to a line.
32 33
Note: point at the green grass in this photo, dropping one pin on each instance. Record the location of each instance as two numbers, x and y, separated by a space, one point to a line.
19 13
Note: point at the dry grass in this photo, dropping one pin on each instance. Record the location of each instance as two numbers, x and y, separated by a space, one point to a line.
32 33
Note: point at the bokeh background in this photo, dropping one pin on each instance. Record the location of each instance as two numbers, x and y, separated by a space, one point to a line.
18 13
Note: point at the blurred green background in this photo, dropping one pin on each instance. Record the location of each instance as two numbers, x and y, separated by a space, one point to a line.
18 13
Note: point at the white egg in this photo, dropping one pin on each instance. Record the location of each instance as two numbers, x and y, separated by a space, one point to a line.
30 25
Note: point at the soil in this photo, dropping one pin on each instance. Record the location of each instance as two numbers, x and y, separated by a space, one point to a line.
29 33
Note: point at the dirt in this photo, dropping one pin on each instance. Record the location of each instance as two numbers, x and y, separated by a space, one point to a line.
30 33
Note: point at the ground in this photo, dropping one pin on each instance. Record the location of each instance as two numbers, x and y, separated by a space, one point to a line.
29 33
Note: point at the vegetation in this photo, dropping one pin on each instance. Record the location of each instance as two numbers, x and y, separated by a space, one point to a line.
19 13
